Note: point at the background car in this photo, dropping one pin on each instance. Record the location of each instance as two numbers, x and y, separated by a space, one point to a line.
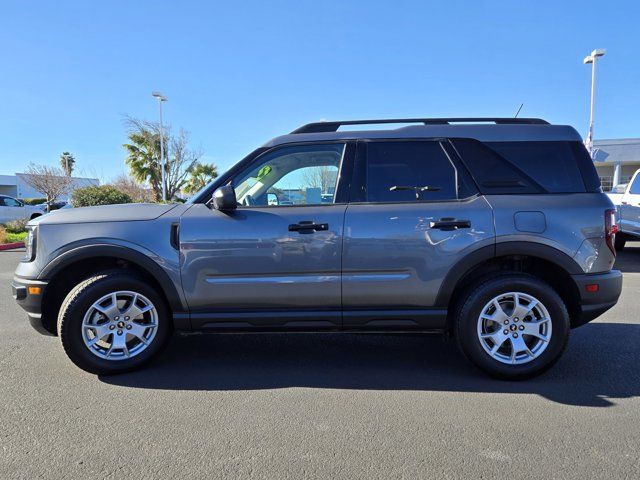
14 209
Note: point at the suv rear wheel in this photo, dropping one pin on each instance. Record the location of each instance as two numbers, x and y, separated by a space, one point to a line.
513 326
112 322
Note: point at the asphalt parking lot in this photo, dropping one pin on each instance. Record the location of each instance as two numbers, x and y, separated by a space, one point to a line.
322 406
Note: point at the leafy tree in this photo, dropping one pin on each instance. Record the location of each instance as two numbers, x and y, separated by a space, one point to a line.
50 181
201 174
143 157
98 195
67 163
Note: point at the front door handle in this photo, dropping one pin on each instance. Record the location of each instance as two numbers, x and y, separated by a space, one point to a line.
450 224
307 226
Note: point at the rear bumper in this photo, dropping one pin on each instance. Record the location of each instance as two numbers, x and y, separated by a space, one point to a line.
30 302
595 303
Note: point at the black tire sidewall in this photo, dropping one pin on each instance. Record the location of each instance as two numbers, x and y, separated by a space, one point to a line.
471 309
71 317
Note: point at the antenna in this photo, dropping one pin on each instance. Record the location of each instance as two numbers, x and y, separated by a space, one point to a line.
516 115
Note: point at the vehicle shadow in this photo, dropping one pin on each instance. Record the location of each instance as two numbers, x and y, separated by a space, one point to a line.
628 260
598 367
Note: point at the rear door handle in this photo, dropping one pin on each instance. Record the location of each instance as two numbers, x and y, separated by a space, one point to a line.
450 224
307 226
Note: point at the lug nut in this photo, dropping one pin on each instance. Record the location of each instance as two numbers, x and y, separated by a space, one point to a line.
521 327
111 327
120 332
126 318
116 318
506 322
128 327
506 332
516 319
515 335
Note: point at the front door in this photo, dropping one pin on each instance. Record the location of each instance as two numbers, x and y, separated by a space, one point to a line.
415 213
275 261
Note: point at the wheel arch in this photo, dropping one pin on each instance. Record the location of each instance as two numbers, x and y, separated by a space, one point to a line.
547 263
70 267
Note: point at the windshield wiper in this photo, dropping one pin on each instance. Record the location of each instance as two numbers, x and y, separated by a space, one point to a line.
417 189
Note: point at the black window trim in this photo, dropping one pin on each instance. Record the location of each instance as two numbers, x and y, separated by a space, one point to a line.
357 193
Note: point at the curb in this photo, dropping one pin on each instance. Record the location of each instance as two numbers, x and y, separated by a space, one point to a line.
10 246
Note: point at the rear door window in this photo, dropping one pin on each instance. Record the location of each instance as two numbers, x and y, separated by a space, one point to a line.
412 171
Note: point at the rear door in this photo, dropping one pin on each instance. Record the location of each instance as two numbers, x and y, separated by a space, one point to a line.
630 207
414 212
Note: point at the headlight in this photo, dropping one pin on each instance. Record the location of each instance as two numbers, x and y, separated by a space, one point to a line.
30 244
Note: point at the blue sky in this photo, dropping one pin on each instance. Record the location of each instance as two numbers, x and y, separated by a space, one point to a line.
239 73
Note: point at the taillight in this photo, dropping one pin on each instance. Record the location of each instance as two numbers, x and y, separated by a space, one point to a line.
610 228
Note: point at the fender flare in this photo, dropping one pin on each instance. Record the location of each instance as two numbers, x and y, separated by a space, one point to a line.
83 250
473 259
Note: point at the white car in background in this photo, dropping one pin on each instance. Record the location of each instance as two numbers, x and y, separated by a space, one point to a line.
13 209
627 204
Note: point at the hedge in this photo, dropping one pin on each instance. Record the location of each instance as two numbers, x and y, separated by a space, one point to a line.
98 195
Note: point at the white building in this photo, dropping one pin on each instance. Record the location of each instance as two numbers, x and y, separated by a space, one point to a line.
616 160
15 186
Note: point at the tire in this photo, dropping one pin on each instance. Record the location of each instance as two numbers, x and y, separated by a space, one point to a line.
144 341
619 242
510 289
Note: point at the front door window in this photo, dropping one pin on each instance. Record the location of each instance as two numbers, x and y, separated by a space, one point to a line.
294 175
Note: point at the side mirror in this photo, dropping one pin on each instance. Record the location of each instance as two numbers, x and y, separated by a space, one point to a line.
224 199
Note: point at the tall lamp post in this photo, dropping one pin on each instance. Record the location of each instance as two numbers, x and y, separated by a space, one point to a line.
592 60
161 98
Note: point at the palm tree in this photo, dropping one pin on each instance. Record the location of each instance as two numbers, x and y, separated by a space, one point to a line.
200 175
143 159
67 162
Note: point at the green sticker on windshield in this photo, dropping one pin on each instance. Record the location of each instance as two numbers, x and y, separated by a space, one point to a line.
263 172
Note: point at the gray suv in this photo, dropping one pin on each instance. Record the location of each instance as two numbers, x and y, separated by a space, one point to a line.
492 231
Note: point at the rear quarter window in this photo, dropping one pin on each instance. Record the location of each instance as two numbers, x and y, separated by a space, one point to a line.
556 166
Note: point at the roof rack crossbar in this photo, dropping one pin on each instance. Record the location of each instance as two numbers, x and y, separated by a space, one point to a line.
333 126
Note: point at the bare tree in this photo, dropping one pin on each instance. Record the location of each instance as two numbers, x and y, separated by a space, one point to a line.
323 177
136 191
180 162
50 181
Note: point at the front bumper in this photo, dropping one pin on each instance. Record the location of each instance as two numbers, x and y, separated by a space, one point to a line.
595 303
30 301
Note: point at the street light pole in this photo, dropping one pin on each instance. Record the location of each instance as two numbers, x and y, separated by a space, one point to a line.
161 98
592 60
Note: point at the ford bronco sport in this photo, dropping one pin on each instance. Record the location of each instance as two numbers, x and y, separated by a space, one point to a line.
493 231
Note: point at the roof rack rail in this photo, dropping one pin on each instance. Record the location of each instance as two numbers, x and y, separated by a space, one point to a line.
333 126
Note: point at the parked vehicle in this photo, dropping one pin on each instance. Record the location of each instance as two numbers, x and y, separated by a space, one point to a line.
492 231
626 198
13 209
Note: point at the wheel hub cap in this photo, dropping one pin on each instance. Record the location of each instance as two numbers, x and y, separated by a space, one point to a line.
514 328
120 325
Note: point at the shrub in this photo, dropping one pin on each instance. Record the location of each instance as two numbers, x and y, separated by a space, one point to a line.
34 201
3 235
16 226
98 195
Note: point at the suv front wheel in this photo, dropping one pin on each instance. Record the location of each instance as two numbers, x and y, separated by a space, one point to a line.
513 326
112 322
